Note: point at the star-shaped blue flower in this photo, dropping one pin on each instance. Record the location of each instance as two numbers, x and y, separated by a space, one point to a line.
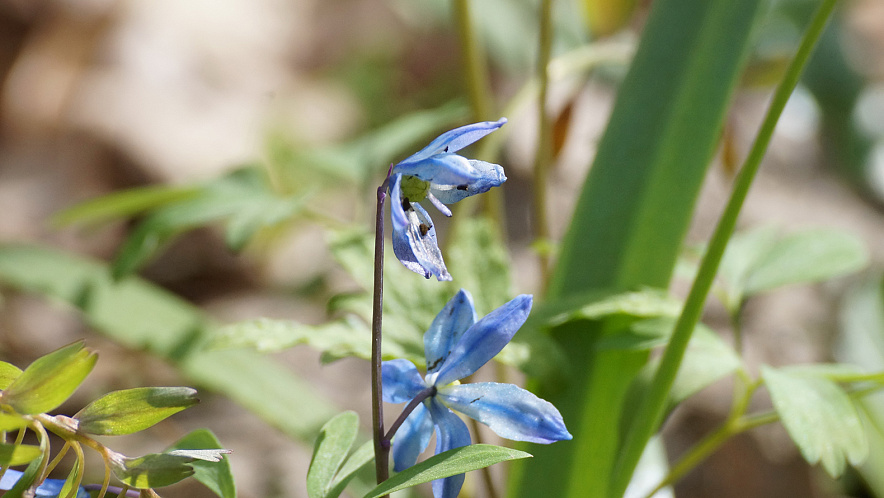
456 345
50 488
439 175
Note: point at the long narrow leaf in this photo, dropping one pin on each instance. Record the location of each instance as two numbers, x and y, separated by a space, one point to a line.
630 220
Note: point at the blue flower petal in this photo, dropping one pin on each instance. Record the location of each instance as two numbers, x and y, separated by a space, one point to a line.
510 411
414 236
50 488
454 140
451 433
490 175
447 328
484 340
446 169
412 438
400 380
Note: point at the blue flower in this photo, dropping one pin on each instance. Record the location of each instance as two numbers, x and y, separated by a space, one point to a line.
456 345
50 488
439 175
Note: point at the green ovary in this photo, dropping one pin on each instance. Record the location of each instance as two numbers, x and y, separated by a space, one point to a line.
414 189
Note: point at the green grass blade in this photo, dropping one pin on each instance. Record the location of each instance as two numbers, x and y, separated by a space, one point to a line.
631 218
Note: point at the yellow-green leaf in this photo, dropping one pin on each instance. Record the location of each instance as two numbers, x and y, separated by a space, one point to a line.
50 380
133 410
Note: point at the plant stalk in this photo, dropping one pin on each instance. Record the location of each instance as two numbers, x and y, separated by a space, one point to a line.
543 155
381 445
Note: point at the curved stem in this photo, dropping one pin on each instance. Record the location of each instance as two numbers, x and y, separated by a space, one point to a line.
81 465
421 396
381 446
543 155
650 412
55 461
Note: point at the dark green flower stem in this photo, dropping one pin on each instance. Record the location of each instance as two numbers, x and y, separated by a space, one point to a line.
543 155
381 445
650 412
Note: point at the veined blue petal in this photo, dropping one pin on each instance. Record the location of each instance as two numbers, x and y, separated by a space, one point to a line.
414 236
412 438
484 340
456 139
447 328
401 381
510 411
490 175
451 433
448 169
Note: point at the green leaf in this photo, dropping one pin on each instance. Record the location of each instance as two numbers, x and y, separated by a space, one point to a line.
154 470
147 318
8 373
214 474
243 198
759 260
266 335
12 454
646 303
50 380
330 451
11 422
24 482
808 256
133 410
356 461
480 263
819 417
707 360
122 204
446 464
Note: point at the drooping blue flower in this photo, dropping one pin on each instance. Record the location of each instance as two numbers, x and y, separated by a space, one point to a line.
439 175
50 488
455 346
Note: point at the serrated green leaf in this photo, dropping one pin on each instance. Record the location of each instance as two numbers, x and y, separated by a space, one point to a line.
329 452
480 263
12 454
645 303
50 380
266 335
122 204
215 475
11 422
807 256
8 373
819 417
133 410
154 470
707 360
446 464
243 198
142 316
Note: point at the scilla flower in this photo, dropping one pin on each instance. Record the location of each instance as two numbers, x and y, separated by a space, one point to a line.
456 345
50 488
439 175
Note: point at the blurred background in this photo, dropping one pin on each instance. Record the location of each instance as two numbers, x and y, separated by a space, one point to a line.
102 95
